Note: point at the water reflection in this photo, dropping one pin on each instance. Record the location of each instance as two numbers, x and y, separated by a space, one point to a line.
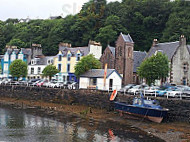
16 125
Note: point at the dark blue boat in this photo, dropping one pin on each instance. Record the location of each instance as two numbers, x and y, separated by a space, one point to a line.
141 107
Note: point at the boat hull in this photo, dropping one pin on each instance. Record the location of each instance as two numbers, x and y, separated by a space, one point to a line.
155 115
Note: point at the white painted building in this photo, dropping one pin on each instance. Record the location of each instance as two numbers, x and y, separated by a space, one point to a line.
94 78
37 65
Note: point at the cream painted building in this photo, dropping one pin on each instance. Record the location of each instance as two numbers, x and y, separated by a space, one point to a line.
68 57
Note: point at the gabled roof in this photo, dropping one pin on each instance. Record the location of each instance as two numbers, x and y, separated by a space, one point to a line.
138 58
168 48
112 49
84 51
26 51
98 73
127 38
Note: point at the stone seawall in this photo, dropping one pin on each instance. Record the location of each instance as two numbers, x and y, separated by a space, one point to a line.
179 109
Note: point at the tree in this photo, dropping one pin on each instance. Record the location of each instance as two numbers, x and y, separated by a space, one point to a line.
18 68
153 68
86 63
50 71
106 35
17 42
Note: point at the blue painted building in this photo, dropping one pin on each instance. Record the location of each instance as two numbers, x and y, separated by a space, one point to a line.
11 54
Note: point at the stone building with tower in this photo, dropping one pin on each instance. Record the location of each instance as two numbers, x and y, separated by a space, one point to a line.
124 59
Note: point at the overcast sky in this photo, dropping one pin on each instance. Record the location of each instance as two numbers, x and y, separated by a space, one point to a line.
42 9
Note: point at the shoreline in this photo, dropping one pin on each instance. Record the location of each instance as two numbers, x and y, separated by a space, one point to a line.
172 131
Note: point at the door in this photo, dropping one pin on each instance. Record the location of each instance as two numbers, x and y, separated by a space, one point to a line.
111 84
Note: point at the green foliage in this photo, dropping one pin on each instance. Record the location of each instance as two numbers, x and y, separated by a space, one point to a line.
144 20
153 68
17 42
106 35
86 63
50 71
18 68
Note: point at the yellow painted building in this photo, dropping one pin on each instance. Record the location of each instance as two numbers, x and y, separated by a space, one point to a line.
68 57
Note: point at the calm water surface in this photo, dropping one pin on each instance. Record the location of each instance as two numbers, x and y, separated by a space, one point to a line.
19 126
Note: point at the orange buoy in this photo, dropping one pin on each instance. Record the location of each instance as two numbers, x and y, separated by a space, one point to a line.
113 95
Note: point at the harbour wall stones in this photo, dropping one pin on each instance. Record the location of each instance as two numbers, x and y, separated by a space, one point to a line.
179 110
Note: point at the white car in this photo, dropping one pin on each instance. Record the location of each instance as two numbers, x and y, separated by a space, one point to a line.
56 85
134 90
174 93
150 90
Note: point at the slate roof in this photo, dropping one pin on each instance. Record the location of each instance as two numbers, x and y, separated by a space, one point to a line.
127 38
168 48
98 73
112 49
26 51
138 58
84 50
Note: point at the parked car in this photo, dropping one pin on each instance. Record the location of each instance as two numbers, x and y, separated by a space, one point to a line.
126 88
35 83
163 90
46 84
56 85
150 90
14 83
40 84
32 81
134 90
174 92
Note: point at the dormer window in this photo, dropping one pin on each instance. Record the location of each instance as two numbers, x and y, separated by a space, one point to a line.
68 57
60 57
78 57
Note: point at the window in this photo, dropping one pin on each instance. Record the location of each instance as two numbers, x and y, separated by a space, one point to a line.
120 50
32 70
185 67
6 58
59 67
68 67
60 57
39 70
49 62
78 57
13 57
20 56
68 57
6 67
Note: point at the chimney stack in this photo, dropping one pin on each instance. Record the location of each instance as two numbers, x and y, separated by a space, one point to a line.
155 41
182 40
